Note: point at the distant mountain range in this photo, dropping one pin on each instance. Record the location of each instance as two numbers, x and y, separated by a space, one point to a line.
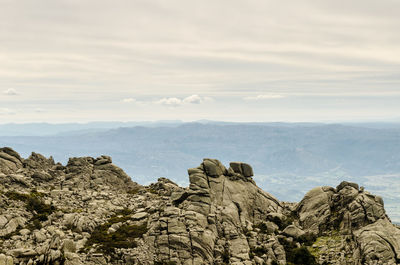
288 158
46 129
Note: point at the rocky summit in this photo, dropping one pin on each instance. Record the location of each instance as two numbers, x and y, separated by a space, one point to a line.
90 212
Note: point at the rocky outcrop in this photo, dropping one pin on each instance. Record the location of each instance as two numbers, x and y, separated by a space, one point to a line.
10 161
357 214
91 212
209 225
346 208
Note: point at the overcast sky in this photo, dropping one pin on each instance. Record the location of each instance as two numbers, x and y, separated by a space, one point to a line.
74 60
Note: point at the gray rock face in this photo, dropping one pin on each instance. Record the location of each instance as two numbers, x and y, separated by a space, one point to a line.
213 167
293 231
242 168
353 212
213 218
10 161
6 260
91 212
379 241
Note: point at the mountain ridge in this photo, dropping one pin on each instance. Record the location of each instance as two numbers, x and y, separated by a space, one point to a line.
91 212
288 158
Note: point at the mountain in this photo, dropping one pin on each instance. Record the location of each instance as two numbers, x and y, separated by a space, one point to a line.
46 129
91 212
275 149
289 158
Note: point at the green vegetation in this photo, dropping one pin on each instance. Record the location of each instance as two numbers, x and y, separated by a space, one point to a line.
124 237
258 251
34 203
152 190
307 239
165 263
120 216
262 226
297 255
133 191
34 224
12 195
332 239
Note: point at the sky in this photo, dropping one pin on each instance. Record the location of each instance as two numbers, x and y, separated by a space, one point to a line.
130 60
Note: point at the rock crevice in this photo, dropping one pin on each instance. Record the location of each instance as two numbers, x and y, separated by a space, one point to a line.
91 212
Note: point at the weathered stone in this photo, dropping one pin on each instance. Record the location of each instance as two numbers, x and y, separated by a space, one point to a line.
293 231
103 160
6 260
69 246
247 170
222 217
23 252
344 184
236 167
139 216
213 167
10 161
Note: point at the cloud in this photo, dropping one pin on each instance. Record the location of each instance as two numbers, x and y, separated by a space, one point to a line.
304 49
10 92
265 96
7 111
128 100
193 99
175 102
40 110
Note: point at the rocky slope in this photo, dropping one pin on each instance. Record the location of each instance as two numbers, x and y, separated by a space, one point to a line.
91 212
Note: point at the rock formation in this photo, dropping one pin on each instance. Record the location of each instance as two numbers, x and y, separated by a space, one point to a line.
91 212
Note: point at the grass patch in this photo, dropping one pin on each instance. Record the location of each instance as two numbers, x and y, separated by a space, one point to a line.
307 239
134 191
120 217
295 255
330 240
34 203
124 237
151 190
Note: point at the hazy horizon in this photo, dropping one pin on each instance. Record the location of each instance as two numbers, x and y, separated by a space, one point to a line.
394 120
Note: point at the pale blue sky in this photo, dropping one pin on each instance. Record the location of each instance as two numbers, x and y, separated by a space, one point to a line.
70 60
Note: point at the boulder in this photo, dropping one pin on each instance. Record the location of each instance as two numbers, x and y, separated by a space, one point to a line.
314 209
345 183
102 160
242 169
213 167
379 240
38 161
6 260
293 231
10 161
91 208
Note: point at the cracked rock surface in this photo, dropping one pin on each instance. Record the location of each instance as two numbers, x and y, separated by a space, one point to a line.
90 212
